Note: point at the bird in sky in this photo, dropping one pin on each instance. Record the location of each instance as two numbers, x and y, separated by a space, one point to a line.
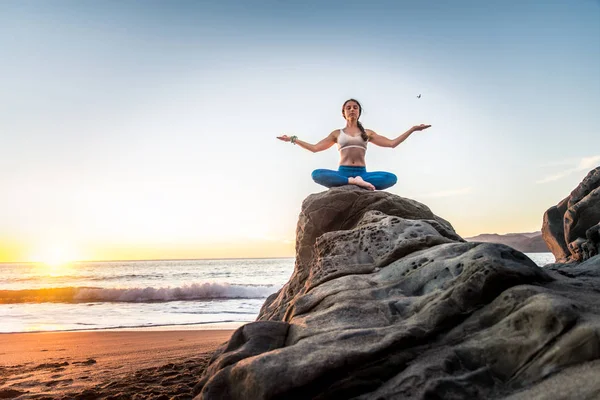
419 96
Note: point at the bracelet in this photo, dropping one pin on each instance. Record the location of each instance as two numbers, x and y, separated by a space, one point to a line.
293 139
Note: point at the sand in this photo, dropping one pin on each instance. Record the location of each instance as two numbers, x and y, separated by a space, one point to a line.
144 364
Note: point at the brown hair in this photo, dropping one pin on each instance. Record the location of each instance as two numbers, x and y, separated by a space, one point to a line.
363 133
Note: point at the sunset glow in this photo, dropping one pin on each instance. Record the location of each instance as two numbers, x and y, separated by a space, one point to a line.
55 260
135 131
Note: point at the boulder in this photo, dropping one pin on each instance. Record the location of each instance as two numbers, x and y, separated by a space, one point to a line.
570 229
387 302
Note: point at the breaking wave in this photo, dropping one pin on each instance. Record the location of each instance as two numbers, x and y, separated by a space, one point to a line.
195 291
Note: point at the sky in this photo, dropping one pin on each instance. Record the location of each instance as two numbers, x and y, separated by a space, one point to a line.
147 130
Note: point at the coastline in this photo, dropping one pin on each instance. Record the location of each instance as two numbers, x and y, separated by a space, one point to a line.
147 362
208 326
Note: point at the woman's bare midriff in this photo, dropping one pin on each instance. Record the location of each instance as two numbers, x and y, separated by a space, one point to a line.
353 156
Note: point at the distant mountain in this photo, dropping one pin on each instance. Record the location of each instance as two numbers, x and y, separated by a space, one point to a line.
528 242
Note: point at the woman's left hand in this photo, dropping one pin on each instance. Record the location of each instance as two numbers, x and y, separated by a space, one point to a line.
420 127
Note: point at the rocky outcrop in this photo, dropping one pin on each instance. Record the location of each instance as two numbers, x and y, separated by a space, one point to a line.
571 229
388 302
336 212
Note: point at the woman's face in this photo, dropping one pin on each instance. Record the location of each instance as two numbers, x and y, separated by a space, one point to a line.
351 110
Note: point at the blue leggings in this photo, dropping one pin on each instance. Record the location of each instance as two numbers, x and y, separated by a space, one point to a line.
329 178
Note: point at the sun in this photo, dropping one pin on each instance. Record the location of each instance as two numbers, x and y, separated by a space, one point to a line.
54 260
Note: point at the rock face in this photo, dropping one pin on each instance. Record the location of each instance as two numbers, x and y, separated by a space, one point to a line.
571 229
388 302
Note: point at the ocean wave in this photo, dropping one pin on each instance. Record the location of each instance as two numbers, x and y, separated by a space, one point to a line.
195 291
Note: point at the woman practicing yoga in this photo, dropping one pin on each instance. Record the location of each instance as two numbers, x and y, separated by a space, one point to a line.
352 144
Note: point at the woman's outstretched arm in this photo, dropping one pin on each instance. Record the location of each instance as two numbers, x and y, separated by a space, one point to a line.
385 142
322 145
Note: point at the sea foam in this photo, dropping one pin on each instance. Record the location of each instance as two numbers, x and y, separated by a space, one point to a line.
195 291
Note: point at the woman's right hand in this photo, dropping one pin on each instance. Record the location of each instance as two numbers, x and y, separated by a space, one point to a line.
285 138
421 127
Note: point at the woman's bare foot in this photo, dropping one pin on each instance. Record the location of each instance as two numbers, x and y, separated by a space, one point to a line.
358 181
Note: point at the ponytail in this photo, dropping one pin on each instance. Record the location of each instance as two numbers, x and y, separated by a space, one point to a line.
363 133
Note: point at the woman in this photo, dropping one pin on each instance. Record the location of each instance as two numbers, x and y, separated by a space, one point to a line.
352 145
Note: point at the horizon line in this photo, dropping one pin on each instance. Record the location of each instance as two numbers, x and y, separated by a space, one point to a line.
152 259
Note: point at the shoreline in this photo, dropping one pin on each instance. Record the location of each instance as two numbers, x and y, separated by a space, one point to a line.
146 362
196 326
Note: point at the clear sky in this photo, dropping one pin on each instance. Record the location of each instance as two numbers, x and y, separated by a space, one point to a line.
146 129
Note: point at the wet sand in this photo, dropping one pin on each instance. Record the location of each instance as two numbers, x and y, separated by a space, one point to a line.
144 364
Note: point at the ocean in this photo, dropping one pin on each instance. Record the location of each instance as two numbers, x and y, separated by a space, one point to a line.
160 294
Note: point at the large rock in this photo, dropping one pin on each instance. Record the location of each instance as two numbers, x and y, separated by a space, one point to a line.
388 302
571 229
339 210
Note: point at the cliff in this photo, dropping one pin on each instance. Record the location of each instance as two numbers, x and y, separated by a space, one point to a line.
531 242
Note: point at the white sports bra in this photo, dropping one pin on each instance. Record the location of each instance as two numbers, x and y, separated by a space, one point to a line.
345 141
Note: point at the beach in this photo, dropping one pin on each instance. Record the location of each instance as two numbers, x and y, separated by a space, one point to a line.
124 329
144 364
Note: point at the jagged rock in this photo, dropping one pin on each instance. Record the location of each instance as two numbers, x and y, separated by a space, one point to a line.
570 229
336 210
388 302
